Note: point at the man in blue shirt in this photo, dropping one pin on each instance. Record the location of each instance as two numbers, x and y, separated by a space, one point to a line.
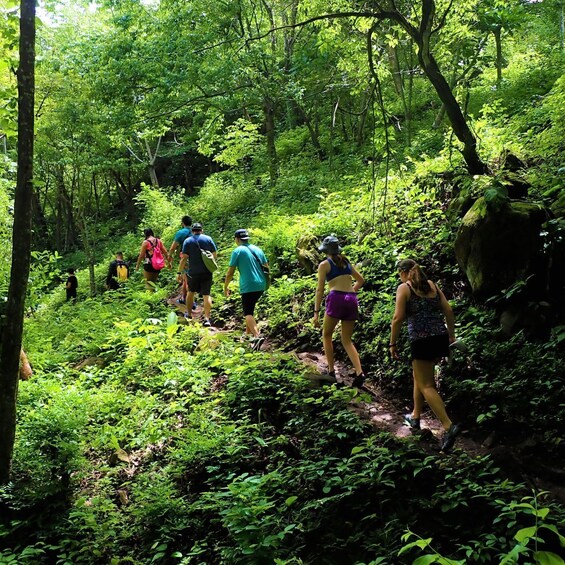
249 260
198 275
178 240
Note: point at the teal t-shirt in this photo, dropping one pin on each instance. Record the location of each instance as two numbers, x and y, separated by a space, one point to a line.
251 278
181 235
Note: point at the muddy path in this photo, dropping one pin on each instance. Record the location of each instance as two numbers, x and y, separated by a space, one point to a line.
386 413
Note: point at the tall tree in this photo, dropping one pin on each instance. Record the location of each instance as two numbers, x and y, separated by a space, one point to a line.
13 323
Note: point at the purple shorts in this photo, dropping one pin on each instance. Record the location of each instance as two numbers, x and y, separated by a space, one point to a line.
342 305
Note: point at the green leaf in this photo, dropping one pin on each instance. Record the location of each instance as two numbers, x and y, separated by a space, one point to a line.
424 560
291 500
525 533
172 319
548 558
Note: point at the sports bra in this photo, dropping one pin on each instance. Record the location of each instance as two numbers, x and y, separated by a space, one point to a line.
335 271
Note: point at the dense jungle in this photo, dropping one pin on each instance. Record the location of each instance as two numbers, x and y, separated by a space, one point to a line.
132 433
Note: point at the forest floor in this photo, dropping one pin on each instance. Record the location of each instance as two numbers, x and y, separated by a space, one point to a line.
386 414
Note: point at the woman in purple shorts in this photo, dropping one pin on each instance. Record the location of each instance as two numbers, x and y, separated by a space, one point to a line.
431 328
341 304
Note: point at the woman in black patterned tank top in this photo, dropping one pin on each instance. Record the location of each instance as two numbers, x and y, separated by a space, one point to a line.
431 328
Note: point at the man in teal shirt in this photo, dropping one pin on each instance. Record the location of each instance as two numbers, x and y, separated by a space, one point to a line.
249 260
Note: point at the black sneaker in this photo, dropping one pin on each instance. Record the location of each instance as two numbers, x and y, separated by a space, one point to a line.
413 423
207 323
328 377
449 437
194 305
182 301
359 380
256 343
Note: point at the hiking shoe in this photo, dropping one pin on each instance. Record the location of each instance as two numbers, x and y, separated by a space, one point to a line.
206 323
359 380
181 301
256 343
194 305
449 437
413 423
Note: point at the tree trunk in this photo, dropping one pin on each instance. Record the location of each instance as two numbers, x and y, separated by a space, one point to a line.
498 42
13 324
269 111
461 129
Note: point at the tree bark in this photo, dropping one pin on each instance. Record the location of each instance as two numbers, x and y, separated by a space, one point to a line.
269 111
13 323
498 42
430 67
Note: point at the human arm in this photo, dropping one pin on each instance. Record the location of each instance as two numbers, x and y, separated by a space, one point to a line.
164 252
172 250
402 297
182 264
323 269
141 255
448 313
228 279
359 280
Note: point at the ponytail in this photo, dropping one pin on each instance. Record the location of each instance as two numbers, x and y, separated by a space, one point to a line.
416 275
340 260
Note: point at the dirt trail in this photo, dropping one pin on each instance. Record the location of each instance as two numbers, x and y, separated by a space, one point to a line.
387 414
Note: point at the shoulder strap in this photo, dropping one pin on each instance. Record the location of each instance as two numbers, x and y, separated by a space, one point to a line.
254 255
412 291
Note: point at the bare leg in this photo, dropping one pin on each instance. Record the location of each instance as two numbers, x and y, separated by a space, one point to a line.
424 380
207 299
418 401
251 325
150 280
188 303
327 334
346 333
184 291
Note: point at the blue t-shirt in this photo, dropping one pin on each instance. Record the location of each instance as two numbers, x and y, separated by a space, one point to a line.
192 246
251 277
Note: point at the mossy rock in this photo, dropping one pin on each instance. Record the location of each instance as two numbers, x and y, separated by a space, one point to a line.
497 249
558 207
307 252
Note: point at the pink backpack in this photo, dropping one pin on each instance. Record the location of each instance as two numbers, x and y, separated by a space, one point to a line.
157 259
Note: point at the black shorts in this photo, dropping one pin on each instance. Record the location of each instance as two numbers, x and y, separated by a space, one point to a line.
201 283
430 348
148 268
249 300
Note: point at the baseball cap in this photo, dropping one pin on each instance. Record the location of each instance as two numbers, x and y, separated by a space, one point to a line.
242 234
196 227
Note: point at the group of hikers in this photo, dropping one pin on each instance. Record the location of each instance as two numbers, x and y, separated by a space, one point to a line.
419 302
198 254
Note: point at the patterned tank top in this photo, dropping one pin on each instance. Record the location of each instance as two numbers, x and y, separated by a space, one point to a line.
425 316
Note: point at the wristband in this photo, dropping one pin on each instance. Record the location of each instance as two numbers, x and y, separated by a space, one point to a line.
392 345
316 311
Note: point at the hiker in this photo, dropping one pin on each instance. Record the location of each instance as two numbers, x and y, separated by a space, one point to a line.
199 276
71 285
341 304
424 306
118 272
152 254
178 240
252 265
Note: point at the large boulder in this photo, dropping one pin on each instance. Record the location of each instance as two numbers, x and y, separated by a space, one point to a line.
307 252
495 249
